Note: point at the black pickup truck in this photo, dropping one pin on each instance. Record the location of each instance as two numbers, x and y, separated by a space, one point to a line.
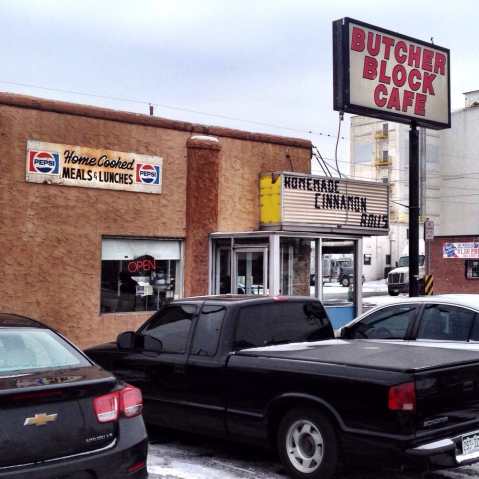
268 371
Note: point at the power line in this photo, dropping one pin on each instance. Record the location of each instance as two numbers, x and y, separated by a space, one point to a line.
172 107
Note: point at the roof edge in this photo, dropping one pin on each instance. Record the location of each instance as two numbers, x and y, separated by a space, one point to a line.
56 106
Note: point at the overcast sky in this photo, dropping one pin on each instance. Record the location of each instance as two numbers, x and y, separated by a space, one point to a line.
266 61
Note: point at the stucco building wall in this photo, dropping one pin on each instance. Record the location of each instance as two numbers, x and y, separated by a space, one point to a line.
51 236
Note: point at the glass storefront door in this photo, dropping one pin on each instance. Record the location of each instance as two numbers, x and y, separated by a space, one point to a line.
250 271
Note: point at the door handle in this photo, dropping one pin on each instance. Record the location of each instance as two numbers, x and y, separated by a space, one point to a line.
179 369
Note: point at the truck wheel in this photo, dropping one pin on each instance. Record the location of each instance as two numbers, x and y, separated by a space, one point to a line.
308 444
345 282
393 293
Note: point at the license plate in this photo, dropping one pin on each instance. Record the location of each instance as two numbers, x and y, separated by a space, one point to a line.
470 443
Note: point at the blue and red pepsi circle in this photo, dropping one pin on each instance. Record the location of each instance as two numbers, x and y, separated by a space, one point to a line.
43 162
148 174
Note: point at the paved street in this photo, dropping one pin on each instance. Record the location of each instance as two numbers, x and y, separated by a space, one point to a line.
180 456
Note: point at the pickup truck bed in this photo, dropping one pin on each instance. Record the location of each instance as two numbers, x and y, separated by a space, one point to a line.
367 354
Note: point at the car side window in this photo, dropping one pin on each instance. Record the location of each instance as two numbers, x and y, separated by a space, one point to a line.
475 329
207 332
446 323
388 323
171 326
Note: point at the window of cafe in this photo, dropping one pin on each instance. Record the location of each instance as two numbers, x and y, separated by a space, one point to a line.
289 264
139 274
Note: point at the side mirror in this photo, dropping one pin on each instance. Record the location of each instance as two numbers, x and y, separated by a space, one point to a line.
126 340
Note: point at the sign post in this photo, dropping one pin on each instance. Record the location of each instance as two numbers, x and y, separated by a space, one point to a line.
393 77
413 210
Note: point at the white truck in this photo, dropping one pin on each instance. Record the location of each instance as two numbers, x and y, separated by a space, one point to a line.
398 278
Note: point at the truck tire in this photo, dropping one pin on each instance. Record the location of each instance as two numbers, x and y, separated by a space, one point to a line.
393 293
308 444
345 282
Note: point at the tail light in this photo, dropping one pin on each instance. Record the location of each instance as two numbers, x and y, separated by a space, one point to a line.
127 401
131 401
402 397
106 407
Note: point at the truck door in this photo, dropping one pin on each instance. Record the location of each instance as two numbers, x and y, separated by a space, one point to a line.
205 373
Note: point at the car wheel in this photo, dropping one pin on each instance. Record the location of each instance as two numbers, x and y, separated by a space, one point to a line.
345 282
393 293
308 444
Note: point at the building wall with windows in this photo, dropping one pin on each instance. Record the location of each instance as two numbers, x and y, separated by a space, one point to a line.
379 151
69 253
458 202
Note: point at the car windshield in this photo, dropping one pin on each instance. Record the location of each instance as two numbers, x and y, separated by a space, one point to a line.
404 261
32 349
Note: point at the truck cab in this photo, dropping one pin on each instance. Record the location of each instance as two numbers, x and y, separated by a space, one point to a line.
398 278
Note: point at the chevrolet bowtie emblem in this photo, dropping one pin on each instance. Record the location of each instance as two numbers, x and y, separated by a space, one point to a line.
40 419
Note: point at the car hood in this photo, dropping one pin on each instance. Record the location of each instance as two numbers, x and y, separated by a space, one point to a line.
402 269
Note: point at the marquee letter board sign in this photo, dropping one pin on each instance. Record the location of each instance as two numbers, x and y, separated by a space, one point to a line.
299 202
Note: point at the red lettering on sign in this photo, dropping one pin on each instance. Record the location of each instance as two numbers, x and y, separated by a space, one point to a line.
414 57
420 105
370 69
141 265
400 46
373 49
357 39
427 56
399 75
388 42
380 95
394 100
383 78
440 63
414 85
427 86
408 97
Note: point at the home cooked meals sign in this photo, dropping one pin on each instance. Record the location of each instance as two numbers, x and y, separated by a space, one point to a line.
73 165
390 76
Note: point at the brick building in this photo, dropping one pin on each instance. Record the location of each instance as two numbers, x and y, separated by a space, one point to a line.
454 252
107 215
94 261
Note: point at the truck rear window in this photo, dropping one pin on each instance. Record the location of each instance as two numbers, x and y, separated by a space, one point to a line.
280 323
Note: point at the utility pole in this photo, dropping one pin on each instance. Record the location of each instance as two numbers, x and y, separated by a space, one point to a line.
413 210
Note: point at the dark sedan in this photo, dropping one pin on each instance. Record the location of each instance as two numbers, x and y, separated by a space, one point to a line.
62 415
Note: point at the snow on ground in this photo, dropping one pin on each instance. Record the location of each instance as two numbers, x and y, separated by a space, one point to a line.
182 456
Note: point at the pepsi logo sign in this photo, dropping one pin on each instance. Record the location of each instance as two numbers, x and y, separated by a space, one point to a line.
43 162
148 174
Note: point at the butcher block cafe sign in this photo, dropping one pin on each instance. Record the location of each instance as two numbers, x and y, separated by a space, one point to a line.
390 76
72 165
316 203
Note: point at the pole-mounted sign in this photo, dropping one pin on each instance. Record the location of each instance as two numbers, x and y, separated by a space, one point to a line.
393 77
390 76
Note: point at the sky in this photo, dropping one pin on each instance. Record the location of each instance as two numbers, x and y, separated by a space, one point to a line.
263 65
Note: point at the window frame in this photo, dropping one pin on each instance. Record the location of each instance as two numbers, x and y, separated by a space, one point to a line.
245 307
469 267
420 318
197 318
178 291
409 332
189 336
